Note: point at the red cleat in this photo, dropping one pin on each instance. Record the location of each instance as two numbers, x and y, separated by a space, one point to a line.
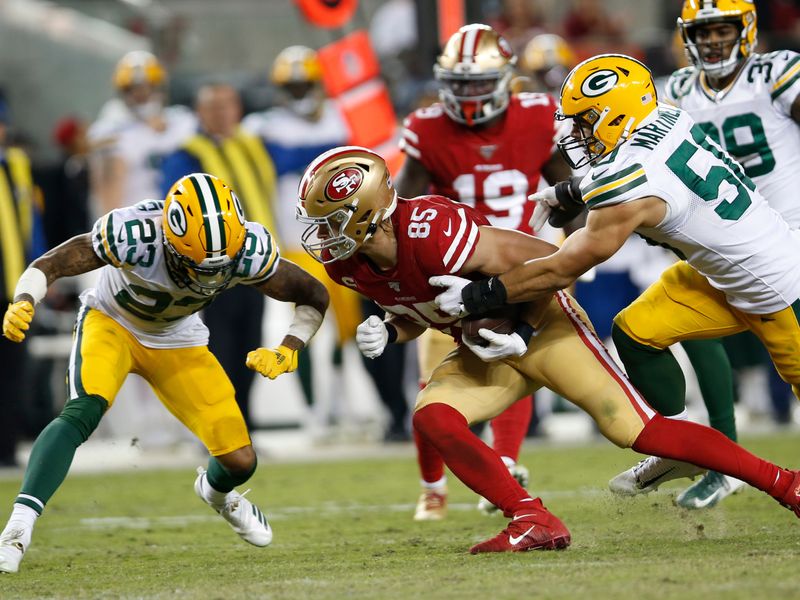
533 528
791 499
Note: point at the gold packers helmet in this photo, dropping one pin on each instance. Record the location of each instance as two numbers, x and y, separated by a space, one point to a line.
608 97
204 233
296 64
475 70
697 13
298 73
138 67
344 196
549 58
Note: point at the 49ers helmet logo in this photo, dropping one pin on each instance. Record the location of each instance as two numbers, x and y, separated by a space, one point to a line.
344 184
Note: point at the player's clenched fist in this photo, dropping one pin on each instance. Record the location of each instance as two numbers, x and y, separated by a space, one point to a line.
372 337
271 362
17 320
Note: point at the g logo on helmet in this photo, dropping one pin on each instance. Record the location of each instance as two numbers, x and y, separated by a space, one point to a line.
237 204
599 82
344 184
176 219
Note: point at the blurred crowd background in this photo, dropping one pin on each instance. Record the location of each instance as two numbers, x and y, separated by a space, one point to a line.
218 66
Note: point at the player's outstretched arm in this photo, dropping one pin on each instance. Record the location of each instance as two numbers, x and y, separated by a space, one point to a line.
605 232
290 283
73 257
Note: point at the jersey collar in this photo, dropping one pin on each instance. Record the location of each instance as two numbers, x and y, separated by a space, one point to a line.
720 95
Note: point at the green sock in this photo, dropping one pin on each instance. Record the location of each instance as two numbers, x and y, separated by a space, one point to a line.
223 480
655 373
54 449
715 376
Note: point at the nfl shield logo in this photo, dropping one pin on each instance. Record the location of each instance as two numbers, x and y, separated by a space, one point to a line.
395 285
487 151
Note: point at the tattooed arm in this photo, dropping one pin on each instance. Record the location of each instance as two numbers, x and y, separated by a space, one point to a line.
290 283
73 257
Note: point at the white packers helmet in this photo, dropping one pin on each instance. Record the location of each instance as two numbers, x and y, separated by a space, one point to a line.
697 13
344 196
475 69
204 233
608 97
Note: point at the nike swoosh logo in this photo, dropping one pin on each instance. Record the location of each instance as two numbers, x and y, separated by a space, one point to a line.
596 175
523 516
649 482
766 319
448 231
703 503
516 540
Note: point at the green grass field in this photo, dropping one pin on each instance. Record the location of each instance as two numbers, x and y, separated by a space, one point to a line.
344 530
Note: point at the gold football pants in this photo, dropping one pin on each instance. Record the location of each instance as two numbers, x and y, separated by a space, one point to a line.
432 346
565 355
682 305
189 381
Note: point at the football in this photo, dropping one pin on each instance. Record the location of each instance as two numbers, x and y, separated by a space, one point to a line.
499 320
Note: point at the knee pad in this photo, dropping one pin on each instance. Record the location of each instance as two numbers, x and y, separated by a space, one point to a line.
84 413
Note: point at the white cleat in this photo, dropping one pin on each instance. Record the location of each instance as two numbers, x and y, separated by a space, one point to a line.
13 543
432 505
651 473
243 516
518 472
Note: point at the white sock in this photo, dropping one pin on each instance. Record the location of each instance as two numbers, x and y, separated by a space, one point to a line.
214 497
508 461
435 485
23 515
681 416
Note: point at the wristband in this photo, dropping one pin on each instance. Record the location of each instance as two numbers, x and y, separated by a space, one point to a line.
525 331
307 320
32 282
570 202
484 295
391 332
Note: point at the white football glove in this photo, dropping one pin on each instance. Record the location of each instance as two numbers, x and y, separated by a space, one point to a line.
545 201
449 301
372 337
501 345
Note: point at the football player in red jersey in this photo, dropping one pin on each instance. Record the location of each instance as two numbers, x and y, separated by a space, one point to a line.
387 248
488 148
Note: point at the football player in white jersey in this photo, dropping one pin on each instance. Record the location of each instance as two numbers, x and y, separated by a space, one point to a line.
749 104
655 172
162 261
133 132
